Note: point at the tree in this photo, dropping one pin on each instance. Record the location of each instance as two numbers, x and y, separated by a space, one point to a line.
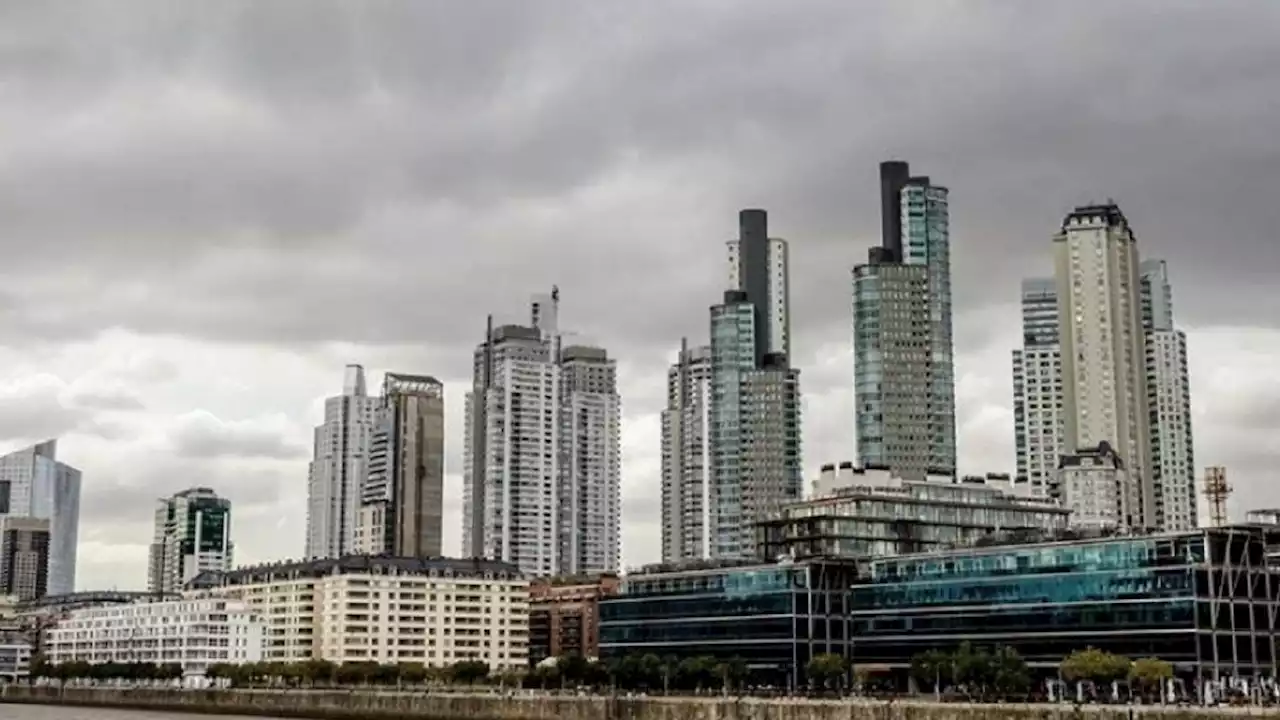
468 672
316 671
1150 674
1009 674
731 673
413 673
973 670
932 668
826 671
1095 666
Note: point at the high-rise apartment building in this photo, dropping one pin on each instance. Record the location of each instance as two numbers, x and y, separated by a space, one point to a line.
338 468
24 557
402 498
1173 473
904 374
192 535
543 446
41 487
1103 350
686 457
1037 390
754 417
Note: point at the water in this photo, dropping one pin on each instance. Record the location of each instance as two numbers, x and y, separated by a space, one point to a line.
49 712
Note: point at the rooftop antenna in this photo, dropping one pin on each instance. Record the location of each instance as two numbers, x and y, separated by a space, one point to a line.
1217 491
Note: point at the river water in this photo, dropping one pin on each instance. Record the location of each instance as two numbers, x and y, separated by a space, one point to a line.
48 712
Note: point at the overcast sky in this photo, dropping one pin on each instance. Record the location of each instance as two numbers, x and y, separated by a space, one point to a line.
208 208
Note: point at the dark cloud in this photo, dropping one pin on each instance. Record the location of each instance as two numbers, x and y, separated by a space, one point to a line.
202 435
366 181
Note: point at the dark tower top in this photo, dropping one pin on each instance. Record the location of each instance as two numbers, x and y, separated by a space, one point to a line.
894 175
753 271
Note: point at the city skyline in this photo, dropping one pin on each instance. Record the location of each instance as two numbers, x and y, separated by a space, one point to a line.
196 247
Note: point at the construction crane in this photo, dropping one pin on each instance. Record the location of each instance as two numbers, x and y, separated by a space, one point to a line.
1217 491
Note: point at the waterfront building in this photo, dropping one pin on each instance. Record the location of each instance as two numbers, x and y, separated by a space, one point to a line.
686 457
1173 469
1203 600
24 557
36 485
904 373
870 513
434 611
192 535
1104 380
774 617
564 616
402 498
754 415
542 466
338 469
192 632
1037 389
15 657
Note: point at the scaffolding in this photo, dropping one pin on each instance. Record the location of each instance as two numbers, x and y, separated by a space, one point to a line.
1217 491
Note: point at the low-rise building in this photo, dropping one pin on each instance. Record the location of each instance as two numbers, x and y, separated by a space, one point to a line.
1206 601
192 632
1091 482
434 611
774 617
867 512
15 657
564 616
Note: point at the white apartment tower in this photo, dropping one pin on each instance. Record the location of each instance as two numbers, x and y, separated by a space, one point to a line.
542 471
192 535
686 454
338 468
1102 347
777 311
1037 390
34 484
1173 471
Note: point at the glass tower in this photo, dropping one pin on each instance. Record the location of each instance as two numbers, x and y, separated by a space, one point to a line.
904 375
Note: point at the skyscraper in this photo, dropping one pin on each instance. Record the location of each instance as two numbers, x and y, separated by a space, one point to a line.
43 488
1037 389
1173 472
24 557
904 375
542 476
338 468
755 397
686 456
402 498
192 535
1102 349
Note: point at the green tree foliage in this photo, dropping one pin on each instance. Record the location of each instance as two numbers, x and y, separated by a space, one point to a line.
1149 675
827 671
981 673
932 669
1094 666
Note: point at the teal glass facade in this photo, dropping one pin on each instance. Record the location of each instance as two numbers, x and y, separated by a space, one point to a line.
733 356
773 617
1205 601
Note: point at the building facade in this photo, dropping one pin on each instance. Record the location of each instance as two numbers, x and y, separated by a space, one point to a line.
870 513
24 557
192 535
193 632
1091 483
15 657
773 617
1203 600
337 472
686 457
38 486
754 416
542 468
1103 349
435 611
1037 389
564 616
402 498
904 374
1173 469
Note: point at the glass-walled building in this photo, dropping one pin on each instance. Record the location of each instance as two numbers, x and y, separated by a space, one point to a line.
1205 601
879 515
774 617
